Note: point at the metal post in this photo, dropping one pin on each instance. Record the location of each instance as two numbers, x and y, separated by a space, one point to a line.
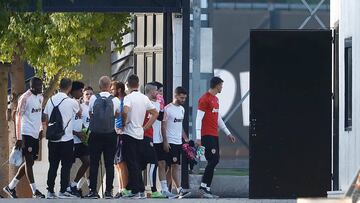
195 46
185 81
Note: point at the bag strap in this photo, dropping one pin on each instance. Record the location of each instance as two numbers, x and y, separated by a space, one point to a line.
67 125
59 103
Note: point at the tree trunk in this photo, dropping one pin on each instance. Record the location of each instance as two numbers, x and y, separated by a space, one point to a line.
17 74
4 144
52 87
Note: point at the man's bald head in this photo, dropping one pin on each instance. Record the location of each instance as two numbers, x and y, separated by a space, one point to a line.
105 83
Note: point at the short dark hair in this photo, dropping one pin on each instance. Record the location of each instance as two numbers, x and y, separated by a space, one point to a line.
180 90
215 81
65 83
34 80
133 81
77 85
88 88
157 84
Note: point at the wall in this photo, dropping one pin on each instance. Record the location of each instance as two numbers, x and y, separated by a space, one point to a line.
349 142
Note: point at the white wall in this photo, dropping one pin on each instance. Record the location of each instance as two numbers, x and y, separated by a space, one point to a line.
347 11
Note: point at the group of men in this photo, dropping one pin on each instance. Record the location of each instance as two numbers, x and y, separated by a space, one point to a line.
130 131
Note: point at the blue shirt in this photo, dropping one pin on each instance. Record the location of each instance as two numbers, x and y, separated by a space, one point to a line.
118 120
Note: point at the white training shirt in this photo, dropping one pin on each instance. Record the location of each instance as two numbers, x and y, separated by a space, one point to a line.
174 116
157 137
138 104
85 115
115 101
68 108
28 118
77 125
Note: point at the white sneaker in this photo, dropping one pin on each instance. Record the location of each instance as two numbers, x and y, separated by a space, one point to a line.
169 194
139 195
51 195
66 195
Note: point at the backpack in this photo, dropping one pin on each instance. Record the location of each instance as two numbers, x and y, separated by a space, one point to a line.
103 119
55 129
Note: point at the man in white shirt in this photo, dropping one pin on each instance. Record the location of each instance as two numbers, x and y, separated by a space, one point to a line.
103 108
62 149
173 133
81 150
136 105
29 132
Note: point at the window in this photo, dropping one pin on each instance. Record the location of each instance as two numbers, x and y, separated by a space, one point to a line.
348 84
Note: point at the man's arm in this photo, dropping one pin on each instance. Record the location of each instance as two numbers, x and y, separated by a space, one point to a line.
166 145
184 136
223 127
154 115
124 116
199 117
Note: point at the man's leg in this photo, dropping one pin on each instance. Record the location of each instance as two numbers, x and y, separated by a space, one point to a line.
130 156
109 154
67 159
95 145
54 160
82 152
212 156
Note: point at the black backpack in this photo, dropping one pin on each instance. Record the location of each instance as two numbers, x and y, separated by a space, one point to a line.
103 118
55 129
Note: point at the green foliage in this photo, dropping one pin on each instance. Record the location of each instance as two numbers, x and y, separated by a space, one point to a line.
51 42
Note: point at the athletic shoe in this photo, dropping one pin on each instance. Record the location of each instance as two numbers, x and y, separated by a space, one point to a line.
51 195
38 194
66 195
139 195
169 194
183 193
92 195
10 192
75 192
127 193
207 194
108 195
157 195
118 195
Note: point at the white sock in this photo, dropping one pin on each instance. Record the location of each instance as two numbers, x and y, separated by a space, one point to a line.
179 189
80 183
13 183
33 187
73 184
203 185
164 186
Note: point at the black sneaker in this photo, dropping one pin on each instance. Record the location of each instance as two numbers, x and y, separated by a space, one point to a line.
38 194
118 195
205 193
10 192
183 194
108 195
92 195
74 191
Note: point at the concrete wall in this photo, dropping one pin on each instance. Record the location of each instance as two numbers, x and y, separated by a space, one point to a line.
347 12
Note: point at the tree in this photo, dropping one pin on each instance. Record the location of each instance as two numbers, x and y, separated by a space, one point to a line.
55 43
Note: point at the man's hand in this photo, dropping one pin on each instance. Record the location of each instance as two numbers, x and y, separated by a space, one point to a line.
232 138
41 135
198 142
82 136
18 144
166 147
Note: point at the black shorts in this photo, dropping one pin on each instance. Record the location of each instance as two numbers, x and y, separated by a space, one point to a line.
160 152
80 150
173 157
30 146
148 153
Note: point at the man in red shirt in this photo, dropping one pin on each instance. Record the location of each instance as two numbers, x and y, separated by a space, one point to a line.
208 120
